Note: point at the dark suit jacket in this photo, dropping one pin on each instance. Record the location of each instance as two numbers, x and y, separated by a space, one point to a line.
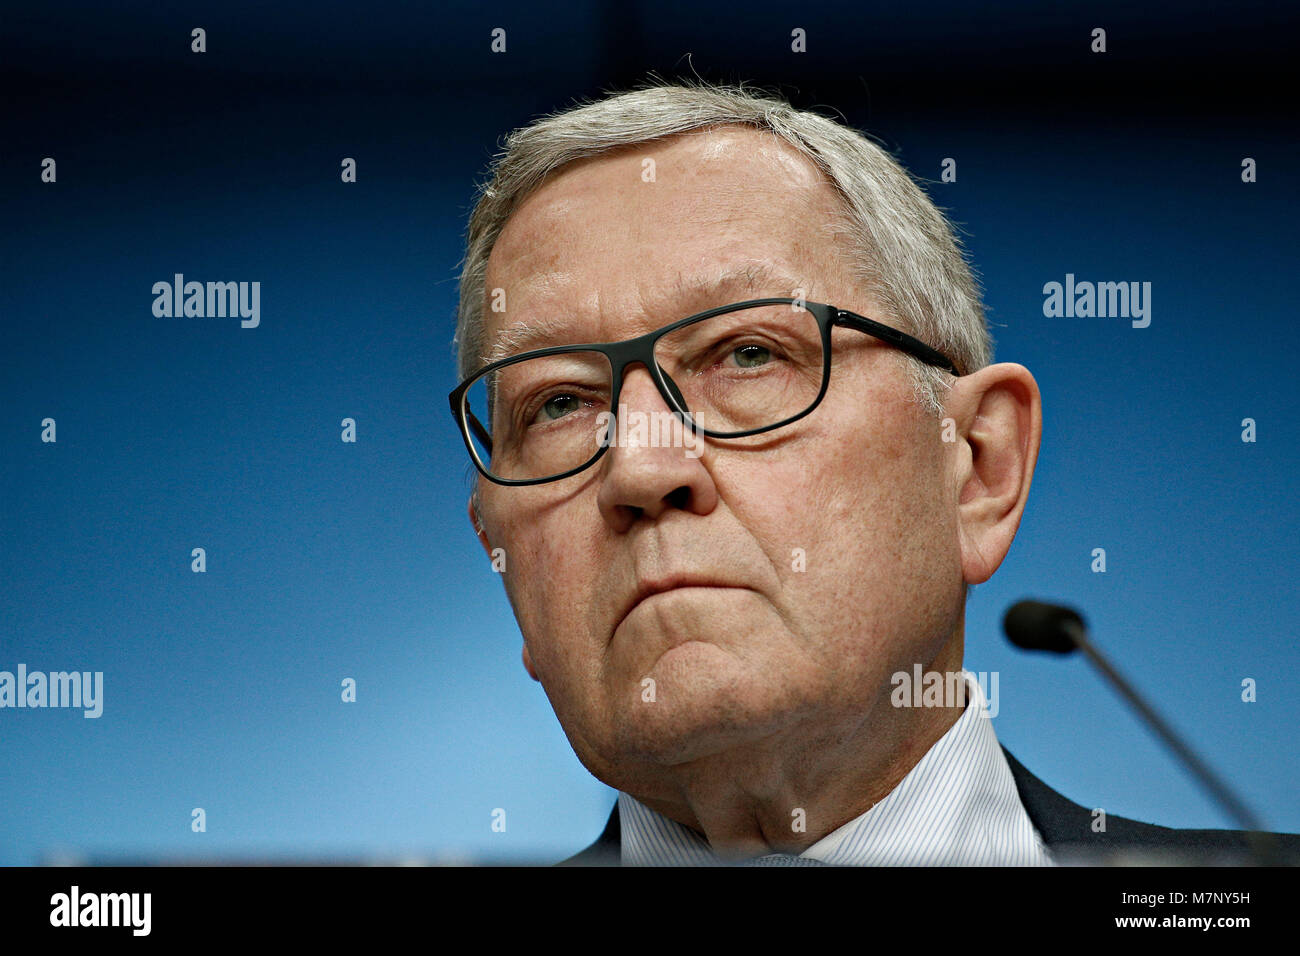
1064 825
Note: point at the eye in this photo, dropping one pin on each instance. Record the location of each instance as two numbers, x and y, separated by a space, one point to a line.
751 356
557 406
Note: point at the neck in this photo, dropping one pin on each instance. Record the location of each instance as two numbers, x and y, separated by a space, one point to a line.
788 791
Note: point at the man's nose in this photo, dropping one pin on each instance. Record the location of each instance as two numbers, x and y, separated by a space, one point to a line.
654 462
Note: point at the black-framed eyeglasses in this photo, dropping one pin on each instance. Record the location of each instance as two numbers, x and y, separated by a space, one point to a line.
730 372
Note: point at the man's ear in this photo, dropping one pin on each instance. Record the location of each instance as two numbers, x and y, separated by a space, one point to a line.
999 415
478 527
487 546
528 665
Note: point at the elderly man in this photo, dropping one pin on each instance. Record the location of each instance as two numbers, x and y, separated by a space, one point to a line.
719 619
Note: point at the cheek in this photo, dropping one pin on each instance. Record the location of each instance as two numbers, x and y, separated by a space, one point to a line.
552 584
895 504
851 518
849 492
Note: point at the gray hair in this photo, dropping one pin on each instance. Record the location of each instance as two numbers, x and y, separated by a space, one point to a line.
904 250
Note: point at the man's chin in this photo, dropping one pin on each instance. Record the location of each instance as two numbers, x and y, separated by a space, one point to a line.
695 723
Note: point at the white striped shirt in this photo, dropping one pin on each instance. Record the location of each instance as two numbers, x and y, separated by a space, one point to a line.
957 807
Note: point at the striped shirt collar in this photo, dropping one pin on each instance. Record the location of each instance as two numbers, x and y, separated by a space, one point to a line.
957 807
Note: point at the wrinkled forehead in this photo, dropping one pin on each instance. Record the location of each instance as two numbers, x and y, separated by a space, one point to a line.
616 245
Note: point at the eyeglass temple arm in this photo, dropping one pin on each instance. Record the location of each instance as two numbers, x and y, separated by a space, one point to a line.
455 399
900 340
478 428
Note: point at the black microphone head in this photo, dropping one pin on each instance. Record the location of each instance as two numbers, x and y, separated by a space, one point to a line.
1039 626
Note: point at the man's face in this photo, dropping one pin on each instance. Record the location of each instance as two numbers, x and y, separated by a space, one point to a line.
812 562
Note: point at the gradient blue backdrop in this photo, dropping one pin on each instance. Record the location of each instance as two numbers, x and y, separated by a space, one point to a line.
329 560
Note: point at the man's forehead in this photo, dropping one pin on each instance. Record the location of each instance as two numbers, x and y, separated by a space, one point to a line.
660 197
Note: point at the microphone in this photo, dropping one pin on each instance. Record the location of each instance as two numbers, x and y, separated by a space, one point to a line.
1039 626
1036 626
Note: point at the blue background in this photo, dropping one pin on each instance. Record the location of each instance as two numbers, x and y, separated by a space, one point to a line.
329 560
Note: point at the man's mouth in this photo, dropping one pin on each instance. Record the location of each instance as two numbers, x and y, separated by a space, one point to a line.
648 589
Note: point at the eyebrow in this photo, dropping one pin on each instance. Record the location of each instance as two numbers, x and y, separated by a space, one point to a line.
736 278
